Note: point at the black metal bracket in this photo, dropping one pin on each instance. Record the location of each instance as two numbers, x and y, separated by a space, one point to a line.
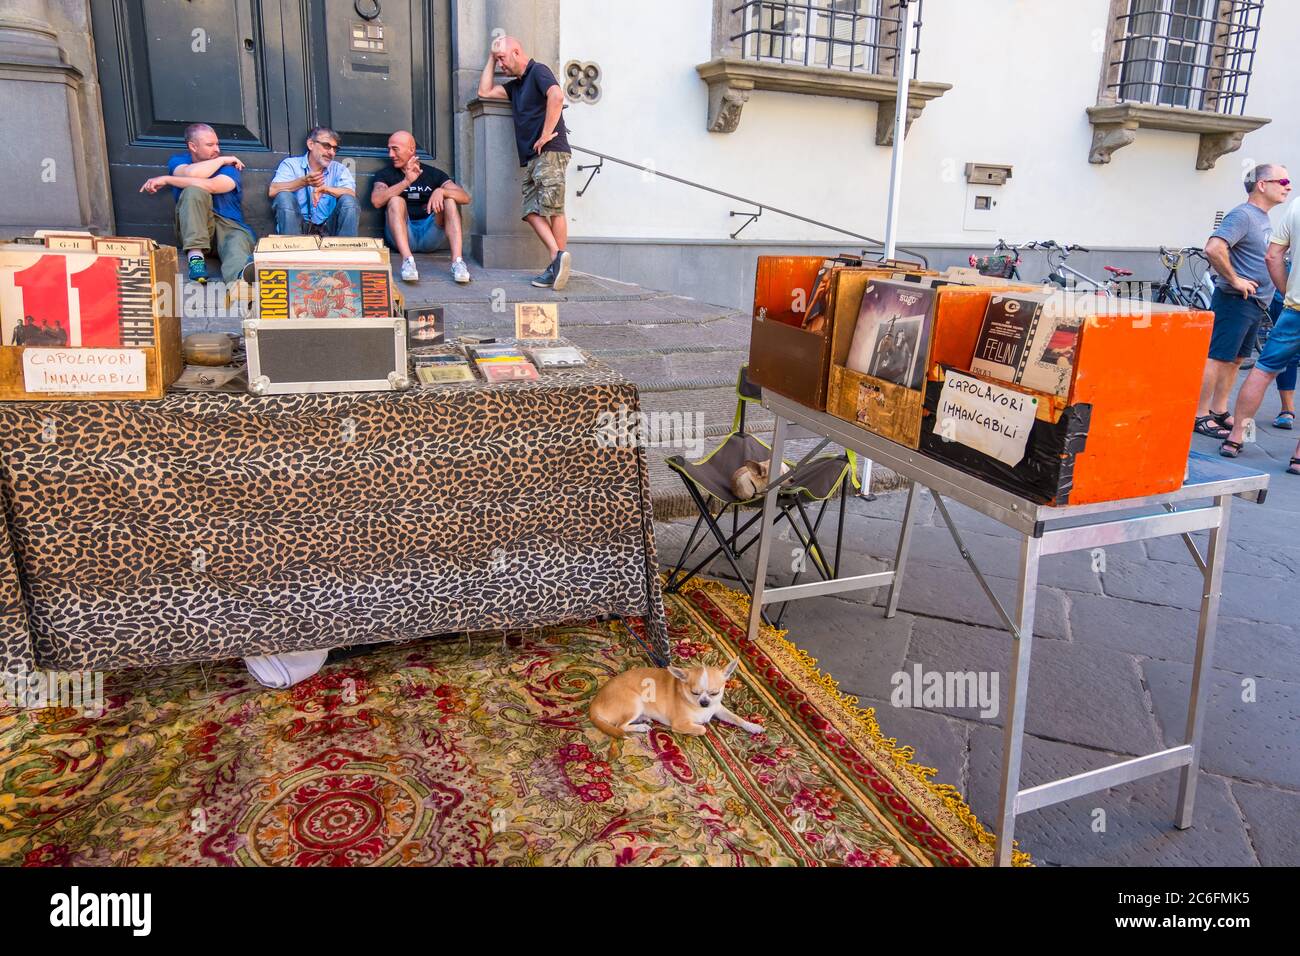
595 168
752 216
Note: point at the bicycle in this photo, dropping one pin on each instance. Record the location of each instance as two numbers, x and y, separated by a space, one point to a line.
1005 259
1003 262
1172 290
1067 277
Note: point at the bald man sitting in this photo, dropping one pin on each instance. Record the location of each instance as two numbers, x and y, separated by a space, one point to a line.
422 207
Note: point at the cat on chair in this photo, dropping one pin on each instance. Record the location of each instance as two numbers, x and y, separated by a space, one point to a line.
684 699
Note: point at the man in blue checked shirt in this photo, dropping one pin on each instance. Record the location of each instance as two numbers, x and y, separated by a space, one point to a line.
314 193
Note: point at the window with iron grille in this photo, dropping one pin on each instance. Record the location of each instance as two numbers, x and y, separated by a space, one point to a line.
1195 54
859 36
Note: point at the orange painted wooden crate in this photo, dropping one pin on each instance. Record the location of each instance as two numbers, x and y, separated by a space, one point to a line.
1125 427
785 357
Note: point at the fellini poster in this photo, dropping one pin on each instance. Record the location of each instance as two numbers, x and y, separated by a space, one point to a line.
75 299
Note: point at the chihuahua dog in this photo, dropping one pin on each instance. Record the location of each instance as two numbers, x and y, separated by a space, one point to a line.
750 479
683 699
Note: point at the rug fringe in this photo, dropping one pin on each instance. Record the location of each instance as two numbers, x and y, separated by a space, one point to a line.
864 718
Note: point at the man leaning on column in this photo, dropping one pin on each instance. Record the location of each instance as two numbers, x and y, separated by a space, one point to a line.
541 139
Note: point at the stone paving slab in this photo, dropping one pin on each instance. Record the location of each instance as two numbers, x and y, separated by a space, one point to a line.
1274 819
866 649
1244 557
1253 741
1139 816
680 366
1076 694
939 592
1165 633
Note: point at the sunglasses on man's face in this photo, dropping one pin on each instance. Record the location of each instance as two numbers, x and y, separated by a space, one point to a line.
333 147
1280 182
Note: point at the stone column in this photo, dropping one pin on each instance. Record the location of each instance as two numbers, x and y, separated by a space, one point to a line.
51 128
499 238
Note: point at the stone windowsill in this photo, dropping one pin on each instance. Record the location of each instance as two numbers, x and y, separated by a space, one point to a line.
1114 126
730 82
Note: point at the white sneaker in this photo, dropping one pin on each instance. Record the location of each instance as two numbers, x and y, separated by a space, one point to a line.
409 272
460 271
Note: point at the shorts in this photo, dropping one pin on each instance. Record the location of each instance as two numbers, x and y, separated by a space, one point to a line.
1236 320
1283 345
424 235
544 184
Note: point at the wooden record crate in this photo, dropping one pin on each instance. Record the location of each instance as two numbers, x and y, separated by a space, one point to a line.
886 408
785 357
88 317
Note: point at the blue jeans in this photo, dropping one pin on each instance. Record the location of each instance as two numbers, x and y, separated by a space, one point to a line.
1287 377
1283 345
288 218
424 235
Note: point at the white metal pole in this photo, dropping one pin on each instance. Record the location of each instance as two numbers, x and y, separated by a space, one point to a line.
903 61
903 64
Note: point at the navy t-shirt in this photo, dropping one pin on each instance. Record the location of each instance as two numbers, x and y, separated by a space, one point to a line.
528 98
229 204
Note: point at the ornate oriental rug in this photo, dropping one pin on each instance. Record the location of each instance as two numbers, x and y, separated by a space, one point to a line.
467 752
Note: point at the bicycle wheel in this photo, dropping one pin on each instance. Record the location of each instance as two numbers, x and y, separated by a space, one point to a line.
1261 336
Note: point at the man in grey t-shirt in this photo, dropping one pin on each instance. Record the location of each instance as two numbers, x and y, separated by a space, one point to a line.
1242 292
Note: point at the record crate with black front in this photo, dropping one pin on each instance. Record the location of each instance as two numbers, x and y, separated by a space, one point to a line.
795 300
1064 397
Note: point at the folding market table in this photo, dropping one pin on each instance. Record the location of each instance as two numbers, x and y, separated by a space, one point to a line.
1042 530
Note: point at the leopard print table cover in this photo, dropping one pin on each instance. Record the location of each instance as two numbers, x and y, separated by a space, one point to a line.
213 525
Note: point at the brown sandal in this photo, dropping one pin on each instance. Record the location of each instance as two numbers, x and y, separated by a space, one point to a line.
1230 449
1294 467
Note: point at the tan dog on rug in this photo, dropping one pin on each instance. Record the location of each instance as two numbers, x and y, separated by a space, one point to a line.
684 700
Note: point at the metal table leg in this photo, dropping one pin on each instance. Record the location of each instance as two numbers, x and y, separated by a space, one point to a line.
1017 697
1205 634
765 532
900 556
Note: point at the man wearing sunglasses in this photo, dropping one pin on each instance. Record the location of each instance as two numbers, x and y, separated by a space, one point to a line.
314 193
1242 292
1283 345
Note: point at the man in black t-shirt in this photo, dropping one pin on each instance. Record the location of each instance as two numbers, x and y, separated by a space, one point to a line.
422 207
542 141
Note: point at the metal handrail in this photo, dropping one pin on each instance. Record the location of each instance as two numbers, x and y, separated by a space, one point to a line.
870 240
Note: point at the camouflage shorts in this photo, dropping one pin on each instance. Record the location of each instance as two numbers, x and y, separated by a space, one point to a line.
544 184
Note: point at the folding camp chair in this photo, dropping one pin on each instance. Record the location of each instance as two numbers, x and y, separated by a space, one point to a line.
708 481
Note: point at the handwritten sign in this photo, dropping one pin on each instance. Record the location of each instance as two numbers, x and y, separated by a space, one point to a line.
989 418
84 370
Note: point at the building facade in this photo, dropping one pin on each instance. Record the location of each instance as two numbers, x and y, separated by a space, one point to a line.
1120 125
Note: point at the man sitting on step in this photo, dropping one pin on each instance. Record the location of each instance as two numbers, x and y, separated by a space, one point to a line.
422 208
209 204
314 193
